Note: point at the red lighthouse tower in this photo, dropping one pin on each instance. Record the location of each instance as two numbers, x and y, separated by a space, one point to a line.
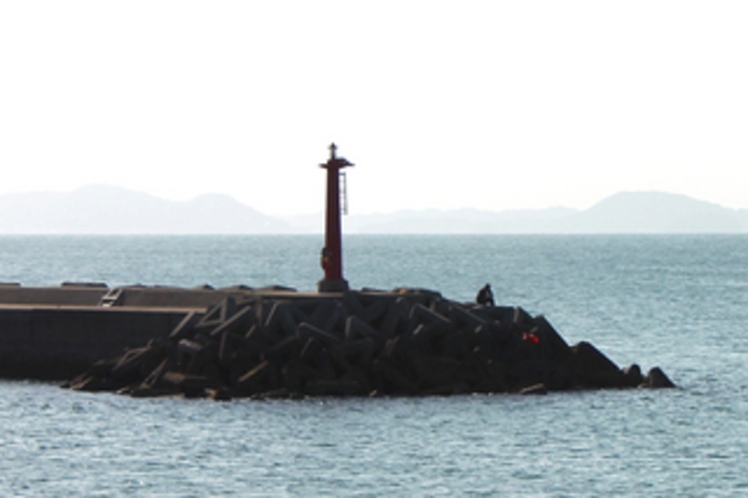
332 253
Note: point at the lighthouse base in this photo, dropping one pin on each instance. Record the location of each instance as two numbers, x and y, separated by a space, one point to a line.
332 285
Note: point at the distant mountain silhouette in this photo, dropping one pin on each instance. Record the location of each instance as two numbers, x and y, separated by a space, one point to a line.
115 210
102 209
654 212
625 212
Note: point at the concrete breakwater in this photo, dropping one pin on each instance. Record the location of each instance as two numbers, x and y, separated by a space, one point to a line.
54 333
356 343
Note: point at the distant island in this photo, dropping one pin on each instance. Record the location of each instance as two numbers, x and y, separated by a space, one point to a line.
100 209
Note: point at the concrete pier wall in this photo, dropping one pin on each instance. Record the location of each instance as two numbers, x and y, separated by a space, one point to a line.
46 343
66 295
54 333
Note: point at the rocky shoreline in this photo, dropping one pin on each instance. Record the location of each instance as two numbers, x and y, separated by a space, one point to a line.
406 342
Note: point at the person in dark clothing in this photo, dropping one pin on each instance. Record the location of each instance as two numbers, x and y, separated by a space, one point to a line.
485 296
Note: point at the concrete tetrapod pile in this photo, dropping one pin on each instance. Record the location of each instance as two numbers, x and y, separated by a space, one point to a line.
407 342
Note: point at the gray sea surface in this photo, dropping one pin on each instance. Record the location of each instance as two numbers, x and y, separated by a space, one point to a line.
678 302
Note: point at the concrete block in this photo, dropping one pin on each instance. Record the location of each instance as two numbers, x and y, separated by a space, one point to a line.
433 371
238 323
256 340
320 315
189 347
376 309
186 326
155 376
521 318
216 315
454 345
427 337
307 330
274 393
283 351
351 302
226 346
422 314
460 316
656 378
534 389
633 375
296 374
593 369
356 328
396 351
136 363
553 345
400 383
334 388
256 380
526 373
454 388
280 321
587 358
354 353
315 355
187 382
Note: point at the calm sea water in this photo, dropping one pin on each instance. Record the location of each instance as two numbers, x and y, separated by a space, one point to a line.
679 302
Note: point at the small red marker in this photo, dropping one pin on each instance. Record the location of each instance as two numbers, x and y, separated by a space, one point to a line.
530 337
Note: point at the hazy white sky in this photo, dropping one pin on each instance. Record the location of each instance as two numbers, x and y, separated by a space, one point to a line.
440 104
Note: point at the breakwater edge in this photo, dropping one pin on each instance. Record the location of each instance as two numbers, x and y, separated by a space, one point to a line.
406 342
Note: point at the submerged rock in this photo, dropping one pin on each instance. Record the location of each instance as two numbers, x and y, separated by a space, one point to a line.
407 342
